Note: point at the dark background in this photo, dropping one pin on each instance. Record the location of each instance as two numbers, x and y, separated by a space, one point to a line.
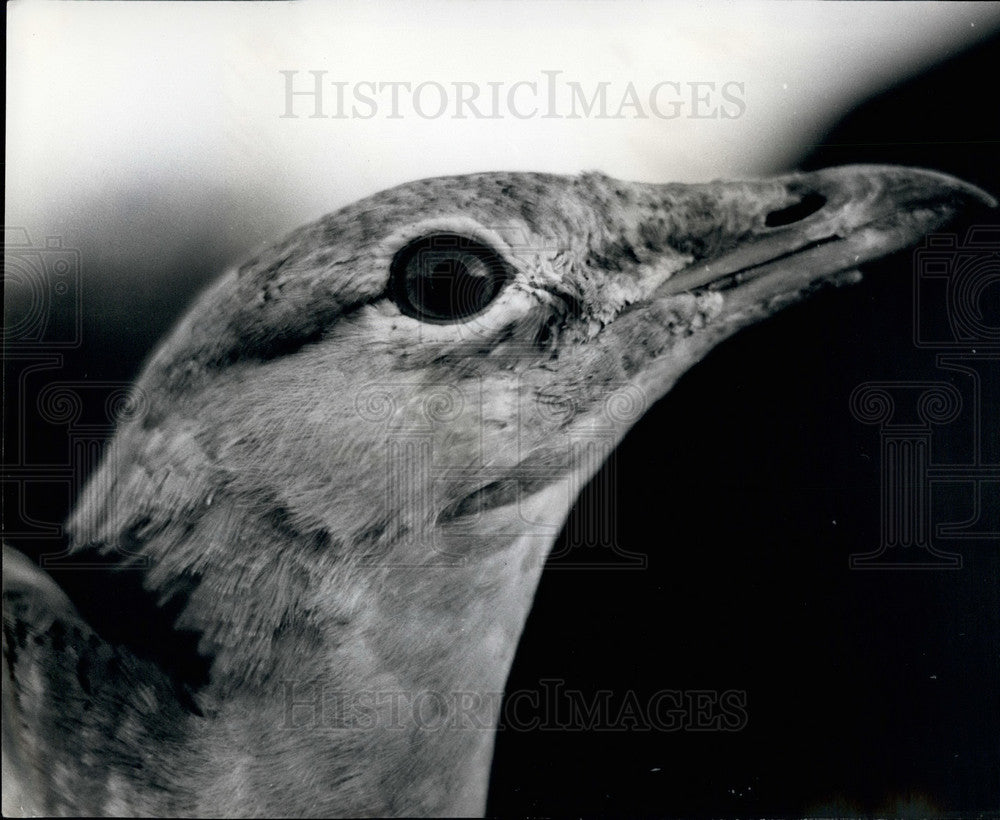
746 489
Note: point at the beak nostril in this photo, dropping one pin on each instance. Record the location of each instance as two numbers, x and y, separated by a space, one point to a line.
806 206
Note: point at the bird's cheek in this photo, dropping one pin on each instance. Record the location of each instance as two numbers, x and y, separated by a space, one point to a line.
650 333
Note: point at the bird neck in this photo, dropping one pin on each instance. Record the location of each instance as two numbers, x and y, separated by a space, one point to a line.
391 702
340 683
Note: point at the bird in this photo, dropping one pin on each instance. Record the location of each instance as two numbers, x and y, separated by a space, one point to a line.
305 562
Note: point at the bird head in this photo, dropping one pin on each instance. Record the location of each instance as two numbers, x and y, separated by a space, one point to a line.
354 452
435 370
475 327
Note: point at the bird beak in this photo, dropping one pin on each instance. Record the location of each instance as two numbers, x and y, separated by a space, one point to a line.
827 223
753 248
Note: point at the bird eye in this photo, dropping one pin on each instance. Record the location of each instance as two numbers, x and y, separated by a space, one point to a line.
446 277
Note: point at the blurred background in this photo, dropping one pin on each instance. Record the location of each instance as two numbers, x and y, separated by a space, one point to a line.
146 151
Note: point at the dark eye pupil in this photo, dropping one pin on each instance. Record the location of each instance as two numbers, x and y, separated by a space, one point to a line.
446 277
449 268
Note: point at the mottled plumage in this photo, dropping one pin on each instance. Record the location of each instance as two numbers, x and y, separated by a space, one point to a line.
333 500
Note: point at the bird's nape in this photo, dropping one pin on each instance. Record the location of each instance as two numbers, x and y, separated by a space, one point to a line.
352 457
